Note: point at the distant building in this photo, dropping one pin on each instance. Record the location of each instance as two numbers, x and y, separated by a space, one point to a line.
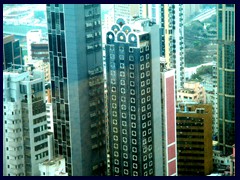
33 36
192 91
53 167
39 51
190 10
24 122
194 140
168 111
125 11
12 52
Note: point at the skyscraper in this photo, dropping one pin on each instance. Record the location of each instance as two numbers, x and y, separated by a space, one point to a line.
134 99
226 76
75 50
194 139
25 125
12 52
170 20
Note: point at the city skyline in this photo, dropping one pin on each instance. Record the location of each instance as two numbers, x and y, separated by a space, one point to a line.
117 94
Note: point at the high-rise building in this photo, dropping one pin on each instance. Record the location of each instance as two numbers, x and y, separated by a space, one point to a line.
171 29
226 76
190 10
33 36
24 122
194 139
134 99
125 11
75 50
168 112
12 52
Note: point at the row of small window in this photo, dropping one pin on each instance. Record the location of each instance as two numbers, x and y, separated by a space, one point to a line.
19 166
135 173
134 141
132 116
16 157
41 155
131 57
132 108
134 133
133 124
41 146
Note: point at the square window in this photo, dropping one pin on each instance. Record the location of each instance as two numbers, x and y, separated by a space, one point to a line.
150 147
125 155
142 67
142 83
114 105
131 74
144 125
122 66
141 49
116 169
143 92
122 82
121 57
116 161
147 65
147 48
151 171
115 138
124 131
134 141
149 123
123 99
150 163
144 133
132 83
124 123
148 73
123 90
142 75
145 166
131 58
134 157
141 58
145 173
115 130
134 149
113 81
150 131
115 145
147 56
133 117
121 48
144 149
123 107
133 108
144 141
113 73
143 110
143 100
143 116
125 171
132 92
112 56
132 100
114 113
114 121
131 66
135 165
149 114
116 154
149 106
125 163
114 97
150 139
125 147
144 157
113 89
135 173
134 133
148 98
133 125
124 139
122 74
148 82
130 49
148 90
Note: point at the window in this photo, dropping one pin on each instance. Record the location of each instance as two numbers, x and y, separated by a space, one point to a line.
114 113
144 149
133 125
143 92
150 163
123 90
141 58
142 75
113 73
135 173
113 81
132 92
147 48
143 110
115 138
144 141
143 100
149 131
147 56
141 49
149 123
133 117
147 65
148 82
112 56
116 161
114 121
134 133
125 147
130 49
148 98
134 149
132 100
113 89
121 57
134 157
131 58
125 155
124 131
125 163
124 123
144 133
149 114
133 108
131 74
124 139
125 171
116 169
123 107
150 147
121 48
122 82
113 97
148 106
114 105
135 165
131 66
148 73
134 141
124 115
145 166
144 157
144 115
142 83
132 83
150 139
123 99
115 145
142 67
115 130
122 74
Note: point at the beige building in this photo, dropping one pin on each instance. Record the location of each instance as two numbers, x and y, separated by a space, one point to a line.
192 91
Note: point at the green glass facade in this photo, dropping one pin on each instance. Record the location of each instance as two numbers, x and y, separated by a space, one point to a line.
226 76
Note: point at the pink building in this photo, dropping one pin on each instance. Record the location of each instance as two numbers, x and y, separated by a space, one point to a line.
169 121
